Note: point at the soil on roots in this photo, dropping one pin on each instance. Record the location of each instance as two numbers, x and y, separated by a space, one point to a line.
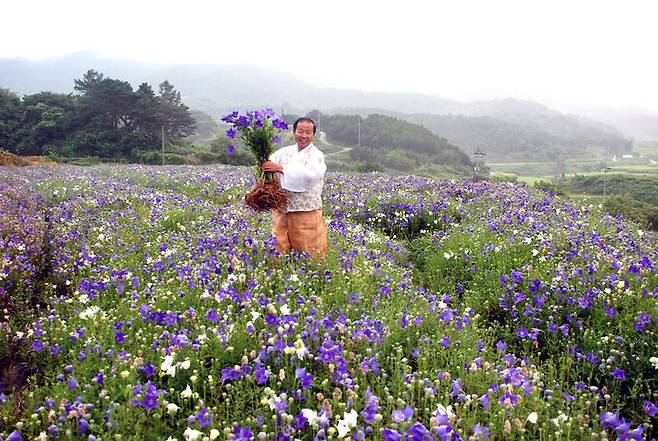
266 197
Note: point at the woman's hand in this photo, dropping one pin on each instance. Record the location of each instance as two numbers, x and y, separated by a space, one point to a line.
269 166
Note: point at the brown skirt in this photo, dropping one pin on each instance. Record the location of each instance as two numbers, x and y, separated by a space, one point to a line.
300 231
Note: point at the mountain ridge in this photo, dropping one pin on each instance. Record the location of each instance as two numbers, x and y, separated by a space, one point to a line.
217 89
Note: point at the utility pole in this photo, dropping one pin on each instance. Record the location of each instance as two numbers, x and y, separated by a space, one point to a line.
478 156
605 180
162 136
358 132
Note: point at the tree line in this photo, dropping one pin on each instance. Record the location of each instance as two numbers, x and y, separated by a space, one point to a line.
105 117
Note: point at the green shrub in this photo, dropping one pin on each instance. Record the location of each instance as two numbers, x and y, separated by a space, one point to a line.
646 215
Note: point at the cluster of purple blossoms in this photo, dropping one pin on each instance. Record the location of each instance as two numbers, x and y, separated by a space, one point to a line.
146 396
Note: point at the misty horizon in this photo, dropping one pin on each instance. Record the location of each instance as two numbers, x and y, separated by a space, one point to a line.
586 53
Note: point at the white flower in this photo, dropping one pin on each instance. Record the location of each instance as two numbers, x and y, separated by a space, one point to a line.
285 310
172 408
300 349
168 366
311 416
348 423
654 362
532 417
192 435
89 312
187 393
214 434
441 409
561 418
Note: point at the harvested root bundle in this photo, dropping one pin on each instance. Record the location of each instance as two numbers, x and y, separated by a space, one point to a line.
266 197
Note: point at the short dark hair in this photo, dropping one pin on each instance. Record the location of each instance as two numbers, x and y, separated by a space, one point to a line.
303 119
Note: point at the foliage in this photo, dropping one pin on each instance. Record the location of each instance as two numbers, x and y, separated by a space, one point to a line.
642 188
646 215
488 310
106 119
549 187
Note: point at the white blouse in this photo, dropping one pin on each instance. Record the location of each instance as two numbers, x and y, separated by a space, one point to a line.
303 176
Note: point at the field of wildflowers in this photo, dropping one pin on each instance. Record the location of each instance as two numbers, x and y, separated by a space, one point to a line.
148 303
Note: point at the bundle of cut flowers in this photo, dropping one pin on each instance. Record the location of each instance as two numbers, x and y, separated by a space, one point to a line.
258 130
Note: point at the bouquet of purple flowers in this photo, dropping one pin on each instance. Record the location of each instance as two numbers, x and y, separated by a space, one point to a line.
258 130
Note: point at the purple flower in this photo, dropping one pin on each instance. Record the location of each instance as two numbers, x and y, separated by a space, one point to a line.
643 319
262 374
241 434
371 408
212 316
53 430
391 435
619 374
37 346
481 432
651 408
509 399
417 432
230 149
484 399
204 418
231 133
402 414
279 123
305 379
501 345
15 436
445 342
148 370
517 276
229 374
72 383
150 394
83 426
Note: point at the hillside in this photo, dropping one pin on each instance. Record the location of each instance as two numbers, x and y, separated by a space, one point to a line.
539 137
393 143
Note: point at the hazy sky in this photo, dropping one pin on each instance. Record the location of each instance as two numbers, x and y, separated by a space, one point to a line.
577 51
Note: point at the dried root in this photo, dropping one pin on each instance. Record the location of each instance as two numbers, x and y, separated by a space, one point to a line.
266 197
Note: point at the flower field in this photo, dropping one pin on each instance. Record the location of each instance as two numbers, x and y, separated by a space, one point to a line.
149 303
